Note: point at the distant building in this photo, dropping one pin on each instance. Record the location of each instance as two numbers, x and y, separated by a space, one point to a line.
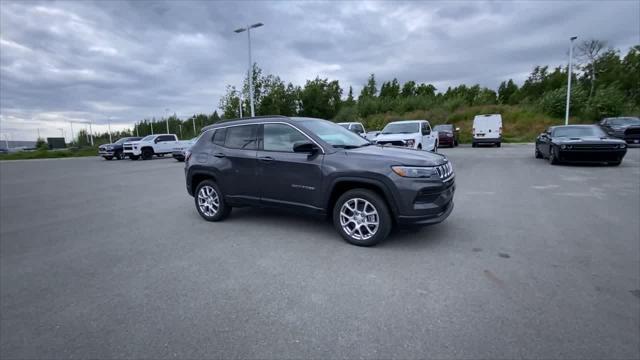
56 143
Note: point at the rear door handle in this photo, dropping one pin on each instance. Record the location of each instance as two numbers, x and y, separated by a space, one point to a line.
265 158
218 155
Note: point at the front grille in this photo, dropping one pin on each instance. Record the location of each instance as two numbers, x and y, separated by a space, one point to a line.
445 170
395 143
593 146
632 131
128 147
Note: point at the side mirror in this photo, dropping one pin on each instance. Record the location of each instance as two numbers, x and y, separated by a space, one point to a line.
305 147
156 140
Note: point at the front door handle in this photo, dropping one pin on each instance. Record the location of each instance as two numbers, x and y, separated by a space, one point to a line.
219 155
265 158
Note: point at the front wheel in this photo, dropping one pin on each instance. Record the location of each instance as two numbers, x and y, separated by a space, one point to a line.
108 157
553 158
118 155
210 201
498 144
538 154
361 217
134 157
147 154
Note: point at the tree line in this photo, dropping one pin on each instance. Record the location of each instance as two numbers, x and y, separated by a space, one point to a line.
605 83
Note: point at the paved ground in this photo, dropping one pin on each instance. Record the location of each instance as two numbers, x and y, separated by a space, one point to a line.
110 260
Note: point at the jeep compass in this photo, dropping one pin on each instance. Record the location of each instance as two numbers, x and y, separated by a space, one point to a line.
317 167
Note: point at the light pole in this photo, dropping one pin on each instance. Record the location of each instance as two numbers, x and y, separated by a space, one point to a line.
62 132
71 124
166 114
193 121
250 72
151 127
240 105
109 127
569 71
180 127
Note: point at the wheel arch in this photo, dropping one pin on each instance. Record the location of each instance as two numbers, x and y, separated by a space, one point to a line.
341 185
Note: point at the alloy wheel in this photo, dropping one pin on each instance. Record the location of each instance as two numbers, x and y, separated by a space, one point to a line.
359 218
208 200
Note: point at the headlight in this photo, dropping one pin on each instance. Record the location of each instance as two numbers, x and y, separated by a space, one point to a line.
109 147
449 135
622 146
413 171
409 142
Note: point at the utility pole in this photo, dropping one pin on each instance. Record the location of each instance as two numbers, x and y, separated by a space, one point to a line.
91 131
180 126
151 127
166 113
38 133
240 105
193 121
72 139
569 72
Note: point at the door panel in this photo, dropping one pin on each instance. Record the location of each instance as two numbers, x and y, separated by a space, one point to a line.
237 163
288 178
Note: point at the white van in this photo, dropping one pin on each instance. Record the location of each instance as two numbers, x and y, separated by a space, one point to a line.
487 129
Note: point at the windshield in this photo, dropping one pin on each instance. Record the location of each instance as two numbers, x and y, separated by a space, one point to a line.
401 128
578 131
334 134
624 121
346 126
148 138
443 128
120 141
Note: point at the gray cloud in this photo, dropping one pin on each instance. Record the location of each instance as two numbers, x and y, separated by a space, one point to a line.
125 61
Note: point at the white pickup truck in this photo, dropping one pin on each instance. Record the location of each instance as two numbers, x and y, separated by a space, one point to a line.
158 144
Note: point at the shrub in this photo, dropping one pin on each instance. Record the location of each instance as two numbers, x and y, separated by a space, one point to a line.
554 102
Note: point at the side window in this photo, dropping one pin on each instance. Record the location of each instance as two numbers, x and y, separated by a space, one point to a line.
280 137
219 136
166 138
358 129
424 128
241 137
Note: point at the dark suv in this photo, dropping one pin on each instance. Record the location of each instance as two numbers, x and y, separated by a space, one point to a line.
318 167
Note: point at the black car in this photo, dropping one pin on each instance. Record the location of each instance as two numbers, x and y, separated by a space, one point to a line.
318 167
625 128
447 135
114 151
579 143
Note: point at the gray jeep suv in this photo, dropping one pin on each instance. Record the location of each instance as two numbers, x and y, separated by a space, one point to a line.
317 167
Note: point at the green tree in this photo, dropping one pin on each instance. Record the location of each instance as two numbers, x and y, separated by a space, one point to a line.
320 98
506 90
370 90
409 89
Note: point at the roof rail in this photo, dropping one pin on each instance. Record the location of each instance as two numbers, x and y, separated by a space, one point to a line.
243 118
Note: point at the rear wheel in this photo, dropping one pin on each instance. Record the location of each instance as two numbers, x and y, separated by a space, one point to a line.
455 143
147 154
361 217
210 201
118 155
134 157
108 157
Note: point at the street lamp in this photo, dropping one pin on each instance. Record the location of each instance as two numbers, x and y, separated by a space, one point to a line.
193 121
248 30
109 127
166 114
569 71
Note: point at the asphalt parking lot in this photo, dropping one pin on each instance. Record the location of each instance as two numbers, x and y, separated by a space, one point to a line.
106 259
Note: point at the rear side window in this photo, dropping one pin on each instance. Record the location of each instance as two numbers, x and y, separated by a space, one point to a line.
219 136
241 137
166 138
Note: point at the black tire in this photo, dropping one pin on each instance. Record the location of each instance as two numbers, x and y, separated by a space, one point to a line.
108 157
147 154
614 163
134 157
378 204
118 155
498 144
473 144
538 154
455 143
419 146
160 155
223 209
179 159
553 159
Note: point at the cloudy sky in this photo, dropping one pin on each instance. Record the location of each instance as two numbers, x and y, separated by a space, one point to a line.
124 61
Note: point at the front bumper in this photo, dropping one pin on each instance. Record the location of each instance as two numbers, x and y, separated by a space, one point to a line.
447 141
178 154
591 155
106 153
135 152
424 202
487 140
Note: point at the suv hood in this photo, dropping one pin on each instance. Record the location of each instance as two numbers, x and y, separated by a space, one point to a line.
395 137
396 155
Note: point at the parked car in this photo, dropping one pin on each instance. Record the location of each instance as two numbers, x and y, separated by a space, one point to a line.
114 151
487 129
625 128
355 127
147 147
414 134
180 150
579 143
447 134
318 167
